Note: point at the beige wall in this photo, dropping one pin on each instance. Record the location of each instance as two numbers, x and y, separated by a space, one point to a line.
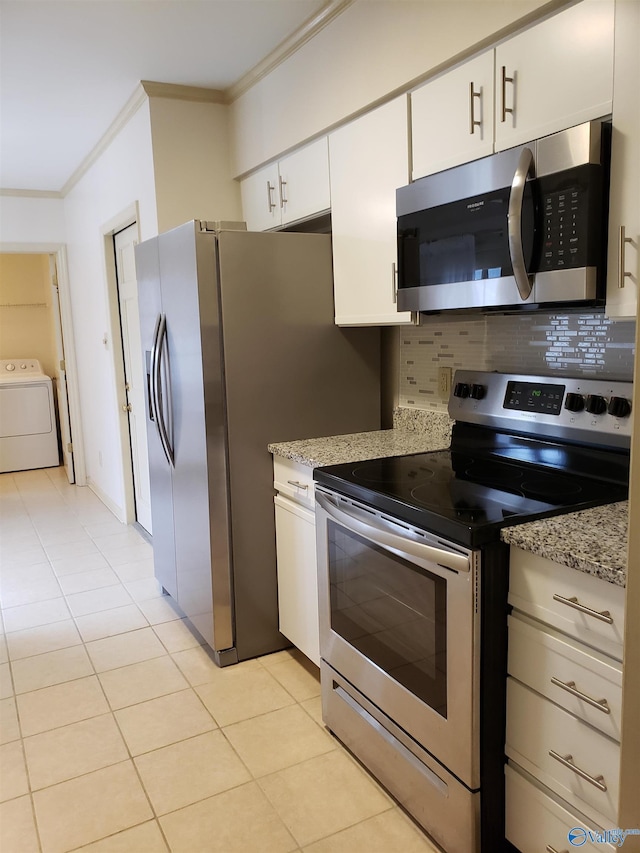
192 162
26 318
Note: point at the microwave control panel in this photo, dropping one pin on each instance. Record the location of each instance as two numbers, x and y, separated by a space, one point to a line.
572 216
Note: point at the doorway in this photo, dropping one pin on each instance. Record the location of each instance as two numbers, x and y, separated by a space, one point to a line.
129 373
34 324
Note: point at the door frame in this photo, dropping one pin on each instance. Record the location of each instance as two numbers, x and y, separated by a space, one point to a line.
129 216
59 251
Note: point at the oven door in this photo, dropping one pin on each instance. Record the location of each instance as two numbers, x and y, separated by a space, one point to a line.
399 620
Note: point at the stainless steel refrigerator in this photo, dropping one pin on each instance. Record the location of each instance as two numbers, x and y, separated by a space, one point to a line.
240 350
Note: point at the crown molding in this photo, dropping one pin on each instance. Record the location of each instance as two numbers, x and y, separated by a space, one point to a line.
287 48
131 107
182 93
11 193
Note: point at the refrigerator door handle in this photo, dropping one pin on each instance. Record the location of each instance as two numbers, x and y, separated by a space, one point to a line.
151 376
159 403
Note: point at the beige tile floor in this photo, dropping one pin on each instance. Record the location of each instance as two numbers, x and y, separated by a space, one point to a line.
119 734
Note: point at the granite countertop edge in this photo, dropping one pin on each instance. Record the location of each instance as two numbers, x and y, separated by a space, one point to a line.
591 541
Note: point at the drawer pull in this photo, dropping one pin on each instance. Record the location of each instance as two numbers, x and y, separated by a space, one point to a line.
298 485
566 761
603 616
551 849
570 687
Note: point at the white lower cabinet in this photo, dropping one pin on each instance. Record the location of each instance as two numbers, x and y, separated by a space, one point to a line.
564 695
537 821
296 556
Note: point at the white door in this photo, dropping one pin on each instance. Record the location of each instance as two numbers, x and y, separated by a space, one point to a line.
123 243
61 376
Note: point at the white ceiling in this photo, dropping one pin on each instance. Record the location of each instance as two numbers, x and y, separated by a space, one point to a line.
67 67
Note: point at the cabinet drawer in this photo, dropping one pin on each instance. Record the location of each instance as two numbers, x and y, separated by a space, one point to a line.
544 589
545 660
535 821
294 480
535 727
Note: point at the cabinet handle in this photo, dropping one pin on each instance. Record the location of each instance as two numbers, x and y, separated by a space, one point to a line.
570 687
394 283
505 80
565 760
551 849
270 201
298 485
283 197
622 241
602 615
473 122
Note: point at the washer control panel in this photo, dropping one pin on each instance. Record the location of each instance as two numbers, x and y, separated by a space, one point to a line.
14 367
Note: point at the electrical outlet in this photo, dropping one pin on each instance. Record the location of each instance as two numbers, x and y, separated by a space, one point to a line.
444 382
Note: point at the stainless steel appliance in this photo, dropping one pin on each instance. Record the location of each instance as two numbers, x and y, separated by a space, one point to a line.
413 585
241 349
519 229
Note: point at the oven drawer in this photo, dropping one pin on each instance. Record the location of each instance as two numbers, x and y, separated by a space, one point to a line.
536 727
294 480
583 606
442 805
536 822
546 660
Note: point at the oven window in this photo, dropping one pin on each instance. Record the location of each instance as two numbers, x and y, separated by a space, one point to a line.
391 611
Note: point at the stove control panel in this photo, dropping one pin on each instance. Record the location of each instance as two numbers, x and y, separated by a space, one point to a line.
596 411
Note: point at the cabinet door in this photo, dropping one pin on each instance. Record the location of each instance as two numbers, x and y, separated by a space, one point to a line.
556 74
297 576
452 118
368 161
304 182
260 199
623 266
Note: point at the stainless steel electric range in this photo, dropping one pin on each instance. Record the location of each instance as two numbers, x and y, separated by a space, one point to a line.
414 578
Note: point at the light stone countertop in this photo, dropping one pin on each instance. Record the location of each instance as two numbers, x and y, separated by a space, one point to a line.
592 541
415 432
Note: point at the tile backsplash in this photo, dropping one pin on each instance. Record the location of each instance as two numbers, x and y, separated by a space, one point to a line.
571 344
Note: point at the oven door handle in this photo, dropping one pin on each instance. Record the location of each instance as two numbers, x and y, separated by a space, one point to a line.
386 539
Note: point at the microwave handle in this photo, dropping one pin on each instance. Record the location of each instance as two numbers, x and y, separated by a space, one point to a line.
514 223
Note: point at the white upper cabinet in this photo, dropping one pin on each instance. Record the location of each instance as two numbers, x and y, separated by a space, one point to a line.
369 160
555 75
623 266
294 188
452 117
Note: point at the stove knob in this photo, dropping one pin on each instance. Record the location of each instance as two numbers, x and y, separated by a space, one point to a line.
477 392
461 390
619 407
596 405
574 402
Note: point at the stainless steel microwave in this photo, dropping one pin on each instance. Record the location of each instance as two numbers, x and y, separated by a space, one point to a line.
524 228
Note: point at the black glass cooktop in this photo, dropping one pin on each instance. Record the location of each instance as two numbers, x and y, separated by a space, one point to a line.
467 493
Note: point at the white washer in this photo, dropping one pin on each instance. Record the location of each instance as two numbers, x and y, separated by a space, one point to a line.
28 429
